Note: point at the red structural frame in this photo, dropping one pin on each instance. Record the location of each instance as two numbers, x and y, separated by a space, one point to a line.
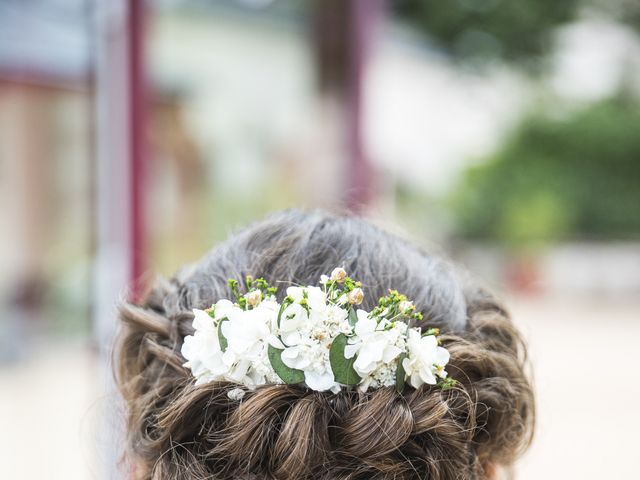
363 19
137 110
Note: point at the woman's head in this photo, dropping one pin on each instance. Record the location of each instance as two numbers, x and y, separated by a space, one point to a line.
177 430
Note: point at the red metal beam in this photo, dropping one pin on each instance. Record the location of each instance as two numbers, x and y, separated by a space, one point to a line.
362 16
343 39
137 110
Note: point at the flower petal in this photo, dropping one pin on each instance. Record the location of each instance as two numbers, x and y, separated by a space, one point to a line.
415 380
319 381
316 298
223 308
351 350
442 356
390 352
368 357
292 357
427 376
296 293
202 320
365 325
429 342
275 342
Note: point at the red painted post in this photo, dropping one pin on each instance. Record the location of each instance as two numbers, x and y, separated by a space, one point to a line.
137 110
364 16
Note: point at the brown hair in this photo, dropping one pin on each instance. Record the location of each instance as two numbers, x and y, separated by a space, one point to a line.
176 430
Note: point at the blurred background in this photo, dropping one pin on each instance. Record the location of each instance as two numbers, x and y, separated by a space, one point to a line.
134 135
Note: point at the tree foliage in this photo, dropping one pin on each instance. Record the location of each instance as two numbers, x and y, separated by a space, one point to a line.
517 31
559 178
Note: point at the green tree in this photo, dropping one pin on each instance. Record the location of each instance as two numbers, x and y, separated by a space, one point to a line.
517 31
557 178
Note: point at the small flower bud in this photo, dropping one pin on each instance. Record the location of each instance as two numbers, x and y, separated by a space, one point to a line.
406 307
355 296
254 298
345 328
338 275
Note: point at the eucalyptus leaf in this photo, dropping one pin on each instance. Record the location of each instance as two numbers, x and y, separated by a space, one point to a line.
353 317
342 367
401 374
290 376
221 338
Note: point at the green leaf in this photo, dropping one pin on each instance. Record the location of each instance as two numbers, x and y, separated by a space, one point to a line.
431 331
290 376
233 286
448 383
342 367
401 374
353 317
221 338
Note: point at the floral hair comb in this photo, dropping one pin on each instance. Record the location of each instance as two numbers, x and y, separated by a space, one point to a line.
317 337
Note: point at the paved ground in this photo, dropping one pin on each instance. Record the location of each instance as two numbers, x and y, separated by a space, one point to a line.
48 408
586 358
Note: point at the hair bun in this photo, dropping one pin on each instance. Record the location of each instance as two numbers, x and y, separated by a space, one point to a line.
179 431
289 432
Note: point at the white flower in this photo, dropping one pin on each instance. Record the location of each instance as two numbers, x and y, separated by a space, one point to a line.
338 275
297 357
202 349
336 314
247 334
202 321
385 376
305 332
293 320
245 331
196 348
271 305
222 309
316 298
371 345
245 359
313 359
425 359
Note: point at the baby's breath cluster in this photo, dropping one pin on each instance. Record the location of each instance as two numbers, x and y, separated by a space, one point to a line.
316 336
